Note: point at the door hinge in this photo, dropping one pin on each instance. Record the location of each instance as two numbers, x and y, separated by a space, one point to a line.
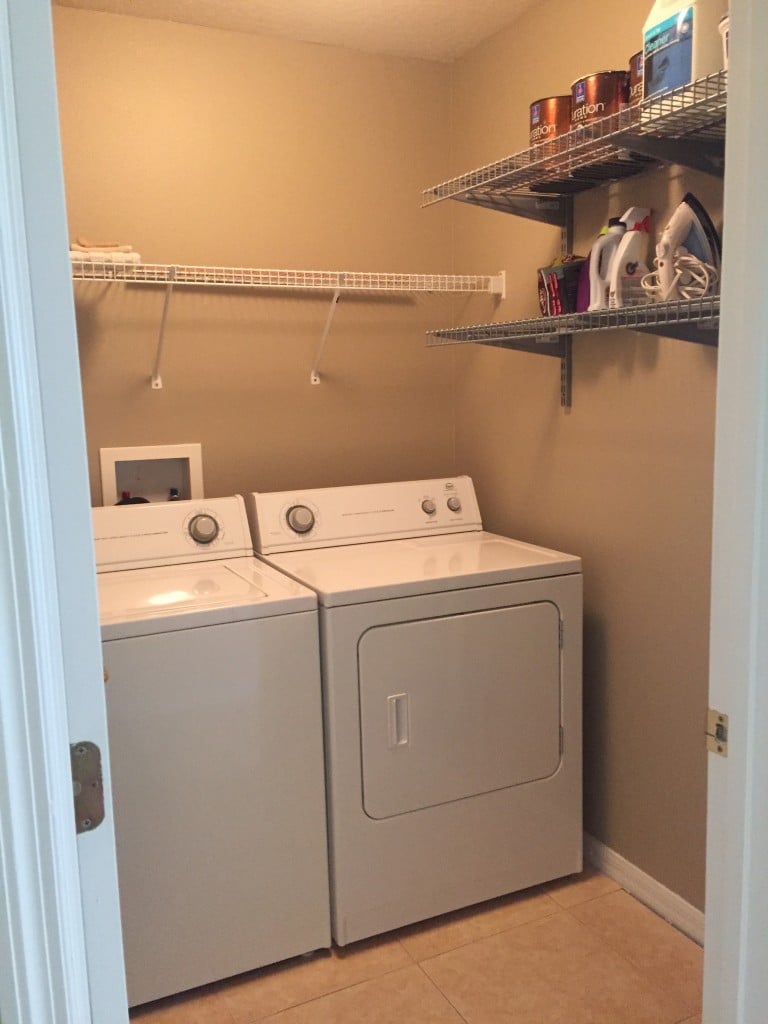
717 732
87 785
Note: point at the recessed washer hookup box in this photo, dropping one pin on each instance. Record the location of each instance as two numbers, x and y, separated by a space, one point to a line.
155 472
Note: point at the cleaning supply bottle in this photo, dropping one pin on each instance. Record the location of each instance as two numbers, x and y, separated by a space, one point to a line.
600 260
628 265
681 43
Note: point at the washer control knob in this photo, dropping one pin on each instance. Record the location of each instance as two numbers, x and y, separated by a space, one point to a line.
300 518
203 528
428 506
454 504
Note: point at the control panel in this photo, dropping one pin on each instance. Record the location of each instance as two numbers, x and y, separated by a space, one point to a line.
169 533
326 517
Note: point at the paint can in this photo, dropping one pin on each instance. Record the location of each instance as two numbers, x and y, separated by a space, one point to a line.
550 117
598 95
636 78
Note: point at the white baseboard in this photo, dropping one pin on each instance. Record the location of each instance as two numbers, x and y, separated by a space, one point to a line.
653 894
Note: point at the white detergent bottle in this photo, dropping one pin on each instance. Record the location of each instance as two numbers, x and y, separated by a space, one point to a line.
681 43
628 265
600 259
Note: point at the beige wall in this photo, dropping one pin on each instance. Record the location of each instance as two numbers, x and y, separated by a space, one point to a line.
207 147
211 147
624 478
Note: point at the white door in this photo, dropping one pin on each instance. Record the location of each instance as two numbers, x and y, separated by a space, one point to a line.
42 946
60 944
736 929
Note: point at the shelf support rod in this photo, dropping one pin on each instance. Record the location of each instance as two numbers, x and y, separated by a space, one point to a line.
566 372
314 376
566 228
157 380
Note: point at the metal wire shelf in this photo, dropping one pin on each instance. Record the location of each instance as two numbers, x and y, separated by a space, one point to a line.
690 319
671 127
300 280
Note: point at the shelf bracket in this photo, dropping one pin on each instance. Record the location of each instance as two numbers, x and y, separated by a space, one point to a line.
314 376
560 346
157 380
547 209
684 332
706 155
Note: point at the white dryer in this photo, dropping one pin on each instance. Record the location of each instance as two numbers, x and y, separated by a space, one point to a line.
451 662
215 731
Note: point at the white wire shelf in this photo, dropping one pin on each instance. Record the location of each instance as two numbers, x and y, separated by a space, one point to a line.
298 280
690 319
337 282
686 125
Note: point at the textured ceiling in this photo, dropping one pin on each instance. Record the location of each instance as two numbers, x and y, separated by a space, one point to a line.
429 29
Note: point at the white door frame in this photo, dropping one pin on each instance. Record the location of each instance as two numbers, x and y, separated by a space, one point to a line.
736 926
49 650
60 943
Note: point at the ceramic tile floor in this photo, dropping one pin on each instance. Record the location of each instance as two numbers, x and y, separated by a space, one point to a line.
578 951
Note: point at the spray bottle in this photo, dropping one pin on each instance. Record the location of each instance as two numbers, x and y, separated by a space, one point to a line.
628 264
600 260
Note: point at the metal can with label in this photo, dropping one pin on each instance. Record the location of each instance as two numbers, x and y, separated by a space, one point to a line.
550 117
635 78
598 95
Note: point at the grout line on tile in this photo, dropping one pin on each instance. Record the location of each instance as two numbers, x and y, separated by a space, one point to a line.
499 931
591 899
647 975
407 951
492 935
437 988
331 992
322 995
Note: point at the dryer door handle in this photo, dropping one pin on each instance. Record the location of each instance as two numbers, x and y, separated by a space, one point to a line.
398 720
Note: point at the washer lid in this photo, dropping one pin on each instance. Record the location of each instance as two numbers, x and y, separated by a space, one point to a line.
401 568
141 601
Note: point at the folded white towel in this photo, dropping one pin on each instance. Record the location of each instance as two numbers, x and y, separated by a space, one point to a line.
99 256
83 245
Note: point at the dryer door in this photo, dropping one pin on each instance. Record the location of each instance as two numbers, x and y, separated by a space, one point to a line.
460 705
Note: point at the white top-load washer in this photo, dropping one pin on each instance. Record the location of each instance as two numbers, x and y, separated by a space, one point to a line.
215 731
451 662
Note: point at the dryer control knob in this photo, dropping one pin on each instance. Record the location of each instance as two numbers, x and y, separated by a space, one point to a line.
300 518
454 504
428 506
203 528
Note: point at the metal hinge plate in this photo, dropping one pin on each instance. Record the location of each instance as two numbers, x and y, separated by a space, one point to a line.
717 732
87 785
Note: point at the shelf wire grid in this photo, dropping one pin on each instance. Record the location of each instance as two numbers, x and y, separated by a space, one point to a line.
318 280
703 312
597 152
